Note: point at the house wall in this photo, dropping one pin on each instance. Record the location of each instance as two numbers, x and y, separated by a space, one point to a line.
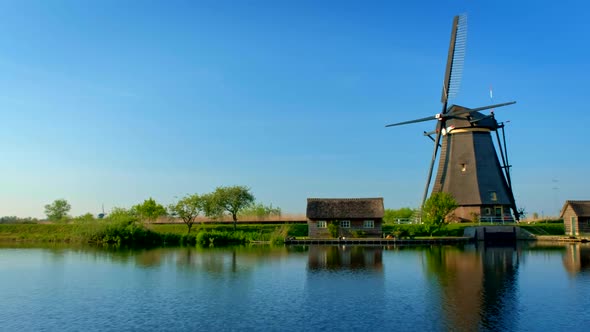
567 216
356 225
584 225
466 213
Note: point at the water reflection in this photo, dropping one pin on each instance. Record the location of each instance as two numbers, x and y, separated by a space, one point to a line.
342 283
478 286
345 257
577 259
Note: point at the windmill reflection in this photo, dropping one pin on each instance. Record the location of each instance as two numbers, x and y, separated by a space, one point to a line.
577 259
477 284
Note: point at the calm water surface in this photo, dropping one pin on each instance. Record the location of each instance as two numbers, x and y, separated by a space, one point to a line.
524 288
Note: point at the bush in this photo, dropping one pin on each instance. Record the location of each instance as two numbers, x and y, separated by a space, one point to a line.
333 229
280 234
358 234
126 232
391 215
214 238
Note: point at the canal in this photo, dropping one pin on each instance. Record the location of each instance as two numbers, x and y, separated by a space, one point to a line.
527 287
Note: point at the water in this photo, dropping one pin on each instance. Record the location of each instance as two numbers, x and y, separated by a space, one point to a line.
318 288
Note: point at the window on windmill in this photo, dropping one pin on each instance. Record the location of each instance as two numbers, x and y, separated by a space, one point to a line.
463 167
322 224
493 196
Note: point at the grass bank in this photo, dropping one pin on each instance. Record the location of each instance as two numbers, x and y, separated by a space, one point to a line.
129 232
413 230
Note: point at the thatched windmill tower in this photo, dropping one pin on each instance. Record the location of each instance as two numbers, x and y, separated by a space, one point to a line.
469 167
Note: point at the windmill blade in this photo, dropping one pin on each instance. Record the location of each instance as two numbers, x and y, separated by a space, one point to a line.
481 119
455 58
434 117
436 145
457 110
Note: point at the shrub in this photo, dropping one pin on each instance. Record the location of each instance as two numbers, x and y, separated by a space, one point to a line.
391 215
358 234
279 234
333 229
221 238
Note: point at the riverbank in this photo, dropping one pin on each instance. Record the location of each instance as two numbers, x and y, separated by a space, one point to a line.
133 233
150 234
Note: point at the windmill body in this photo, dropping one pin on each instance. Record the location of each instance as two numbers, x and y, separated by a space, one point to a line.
469 168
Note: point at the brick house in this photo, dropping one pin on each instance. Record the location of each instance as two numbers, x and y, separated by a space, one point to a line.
576 217
352 217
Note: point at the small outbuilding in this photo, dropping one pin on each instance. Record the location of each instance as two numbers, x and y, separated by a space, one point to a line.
576 217
348 217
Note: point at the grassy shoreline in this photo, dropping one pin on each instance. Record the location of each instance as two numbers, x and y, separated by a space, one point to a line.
149 234
206 234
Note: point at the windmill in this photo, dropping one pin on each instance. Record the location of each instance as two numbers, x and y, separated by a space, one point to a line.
469 168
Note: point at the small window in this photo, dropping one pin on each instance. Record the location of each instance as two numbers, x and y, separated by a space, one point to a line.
369 224
498 211
322 224
463 168
493 196
487 211
345 223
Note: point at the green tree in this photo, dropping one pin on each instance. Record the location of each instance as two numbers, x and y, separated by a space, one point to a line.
260 210
233 200
58 210
149 210
187 209
435 210
211 207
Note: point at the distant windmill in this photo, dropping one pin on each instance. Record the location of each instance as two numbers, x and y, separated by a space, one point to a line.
469 168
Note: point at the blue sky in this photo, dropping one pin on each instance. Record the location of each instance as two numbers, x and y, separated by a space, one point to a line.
111 102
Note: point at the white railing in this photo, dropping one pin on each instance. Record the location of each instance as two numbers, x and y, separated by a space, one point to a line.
408 221
498 220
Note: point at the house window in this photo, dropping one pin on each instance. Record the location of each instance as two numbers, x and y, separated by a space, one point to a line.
487 211
498 210
345 223
322 224
493 196
369 224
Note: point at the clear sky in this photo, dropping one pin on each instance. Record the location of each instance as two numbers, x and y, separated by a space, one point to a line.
111 102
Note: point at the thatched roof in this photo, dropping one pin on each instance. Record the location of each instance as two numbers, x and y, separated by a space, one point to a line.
581 208
344 208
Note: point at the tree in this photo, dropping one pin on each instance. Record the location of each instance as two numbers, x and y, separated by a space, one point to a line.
187 208
233 199
211 206
58 210
149 210
260 210
435 210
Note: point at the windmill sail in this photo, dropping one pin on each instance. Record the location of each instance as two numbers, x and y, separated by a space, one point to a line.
455 59
451 82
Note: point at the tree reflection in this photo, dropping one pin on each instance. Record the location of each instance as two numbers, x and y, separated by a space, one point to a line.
478 286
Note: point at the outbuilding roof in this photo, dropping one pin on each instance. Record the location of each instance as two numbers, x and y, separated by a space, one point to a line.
581 208
344 208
